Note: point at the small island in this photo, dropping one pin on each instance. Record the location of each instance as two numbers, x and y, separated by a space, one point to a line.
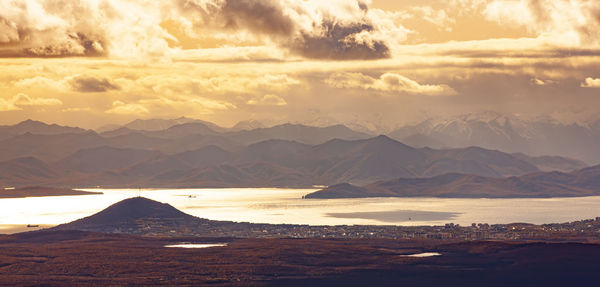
39 191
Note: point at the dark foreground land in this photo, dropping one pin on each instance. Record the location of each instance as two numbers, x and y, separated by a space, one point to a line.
67 258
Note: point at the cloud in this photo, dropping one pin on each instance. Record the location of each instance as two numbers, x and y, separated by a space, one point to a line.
268 100
25 100
8 105
92 85
561 22
218 85
42 82
540 82
64 28
121 108
388 83
164 105
84 109
21 100
313 29
591 83
437 17
337 29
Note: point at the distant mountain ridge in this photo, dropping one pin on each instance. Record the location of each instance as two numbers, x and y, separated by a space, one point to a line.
272 163
36 127
584 182
193 154
539 137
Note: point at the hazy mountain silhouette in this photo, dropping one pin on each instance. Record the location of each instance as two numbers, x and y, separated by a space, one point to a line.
136 140
247 126
507 133
104 158
584 182
163 124
35 127
552 163
288 163
203 157
298 133
48 147
194 155
25 169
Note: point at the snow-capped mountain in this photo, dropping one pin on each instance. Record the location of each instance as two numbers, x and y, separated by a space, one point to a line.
537 136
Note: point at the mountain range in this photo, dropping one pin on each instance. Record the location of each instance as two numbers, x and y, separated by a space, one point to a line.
584 182
194 155
540 136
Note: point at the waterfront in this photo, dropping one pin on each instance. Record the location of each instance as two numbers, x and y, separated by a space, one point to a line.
286 206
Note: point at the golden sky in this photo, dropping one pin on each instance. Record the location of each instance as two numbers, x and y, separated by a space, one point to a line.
378 63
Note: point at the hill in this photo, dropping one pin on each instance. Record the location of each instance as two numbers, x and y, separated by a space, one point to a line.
129 214
585 182
25 170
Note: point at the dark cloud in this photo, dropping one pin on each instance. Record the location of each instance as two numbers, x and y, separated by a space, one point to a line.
328 38
77 45
337 43
92 85
65 28
263 16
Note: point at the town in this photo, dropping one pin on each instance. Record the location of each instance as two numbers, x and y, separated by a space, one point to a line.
577 231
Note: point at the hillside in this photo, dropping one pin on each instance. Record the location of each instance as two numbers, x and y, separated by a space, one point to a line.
585 182
128 214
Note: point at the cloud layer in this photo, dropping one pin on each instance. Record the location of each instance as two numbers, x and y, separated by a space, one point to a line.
322 62
312 29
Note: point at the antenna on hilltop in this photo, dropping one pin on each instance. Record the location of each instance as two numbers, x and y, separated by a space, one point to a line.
139 191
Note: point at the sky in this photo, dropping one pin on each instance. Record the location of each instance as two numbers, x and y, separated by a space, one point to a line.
379 63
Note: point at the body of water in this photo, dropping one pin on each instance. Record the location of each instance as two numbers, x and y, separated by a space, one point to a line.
269 205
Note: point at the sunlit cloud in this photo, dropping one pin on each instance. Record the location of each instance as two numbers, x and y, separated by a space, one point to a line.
591 83
268 100
19 101
541 82
387 83
121 108
77 110
561 22
8 105
40 82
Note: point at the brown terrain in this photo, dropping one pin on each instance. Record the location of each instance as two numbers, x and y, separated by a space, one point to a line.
125 243
66 258
38 191
75 254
